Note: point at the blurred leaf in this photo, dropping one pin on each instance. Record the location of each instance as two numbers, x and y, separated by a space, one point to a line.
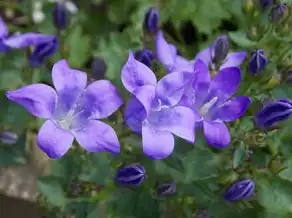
274 193
287 172
213 163
52 190
10 155
285 91
238 155
146 206
10 79
241 39
80 47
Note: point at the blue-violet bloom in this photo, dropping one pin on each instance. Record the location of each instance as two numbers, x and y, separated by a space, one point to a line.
145 56
257 62
8 137
4 32
240 190
233 59
273 113
151 20
211 103
72 110
152 108
167 55
44 45
132 175
278 12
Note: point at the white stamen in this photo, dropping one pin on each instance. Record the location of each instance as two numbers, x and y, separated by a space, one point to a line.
206 107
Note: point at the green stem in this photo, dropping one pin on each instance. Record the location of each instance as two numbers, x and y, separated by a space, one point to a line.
60 36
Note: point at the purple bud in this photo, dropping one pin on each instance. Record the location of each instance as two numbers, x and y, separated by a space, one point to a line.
274 112
60 16
277 12
43 51
240 190
8 137
167 189
266 3
257 62
219 49
132 175
151 20
98 68
145 56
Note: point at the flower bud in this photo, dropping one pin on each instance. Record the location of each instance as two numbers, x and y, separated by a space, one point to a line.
264 4
98 68
240 190
166 189
274 112
8 137
219 49
145 56
43 51
132 175
257 62
278 13
151 20
60 16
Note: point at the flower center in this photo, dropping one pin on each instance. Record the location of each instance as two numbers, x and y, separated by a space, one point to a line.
207 106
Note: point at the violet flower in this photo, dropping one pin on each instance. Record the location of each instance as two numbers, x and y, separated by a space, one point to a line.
72 111
44 45
210 100
131 175
167 54
3 35
233 59
240 190
152 109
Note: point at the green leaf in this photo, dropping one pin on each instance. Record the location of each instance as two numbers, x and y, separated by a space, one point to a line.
274 193
79 47
238 155
52 190
284 91
10 79
147 206
241 39
213 163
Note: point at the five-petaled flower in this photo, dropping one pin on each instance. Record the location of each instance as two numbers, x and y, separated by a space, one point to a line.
152 108
211 103
233 59
72 111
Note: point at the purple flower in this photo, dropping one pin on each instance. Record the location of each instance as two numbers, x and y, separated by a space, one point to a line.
8 137
151 20
219 49
232 59
278 12
257 62
210 100
240 190
145 56
167 54
44 45
132 175
273 113
3 35
72 110
152 109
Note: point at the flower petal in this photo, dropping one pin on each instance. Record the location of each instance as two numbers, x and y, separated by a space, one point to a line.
38 99
180 121
53 140
135 74
217 134
27 39
3 29
225 83
204 56
101 99
171 87
146 95
182 64
96 136
135 114
234 59
69 83
157 144
164 51
232 109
